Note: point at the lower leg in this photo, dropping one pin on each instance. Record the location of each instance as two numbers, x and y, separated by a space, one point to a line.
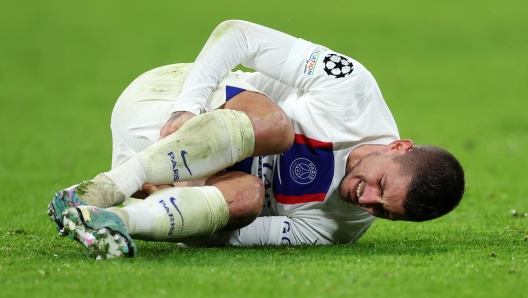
230 201
203 146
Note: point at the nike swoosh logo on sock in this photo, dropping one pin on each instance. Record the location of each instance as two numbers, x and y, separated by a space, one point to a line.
185 161
174 204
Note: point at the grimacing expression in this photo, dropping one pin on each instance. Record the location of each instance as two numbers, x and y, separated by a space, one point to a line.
376 185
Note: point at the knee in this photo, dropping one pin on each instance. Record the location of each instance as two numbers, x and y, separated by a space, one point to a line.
250 197
275 134
247 204
282 130
287 132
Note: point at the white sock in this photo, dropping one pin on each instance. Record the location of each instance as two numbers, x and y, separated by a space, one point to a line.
204 145
176 214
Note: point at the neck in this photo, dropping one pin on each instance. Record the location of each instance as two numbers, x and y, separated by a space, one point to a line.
359 152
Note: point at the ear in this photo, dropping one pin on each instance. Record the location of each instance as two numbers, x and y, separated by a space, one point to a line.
399 147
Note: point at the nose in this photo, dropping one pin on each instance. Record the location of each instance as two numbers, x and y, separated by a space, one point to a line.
369 198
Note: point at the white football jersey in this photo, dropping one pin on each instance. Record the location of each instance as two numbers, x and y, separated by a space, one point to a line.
334 104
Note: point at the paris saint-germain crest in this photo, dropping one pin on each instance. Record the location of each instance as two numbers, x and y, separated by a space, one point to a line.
303 171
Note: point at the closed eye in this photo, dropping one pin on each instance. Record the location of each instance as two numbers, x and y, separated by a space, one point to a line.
385 212
380 187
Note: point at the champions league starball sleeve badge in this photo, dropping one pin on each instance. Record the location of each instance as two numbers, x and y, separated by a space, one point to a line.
337 66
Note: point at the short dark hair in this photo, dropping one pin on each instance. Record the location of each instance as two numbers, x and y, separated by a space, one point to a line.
437 184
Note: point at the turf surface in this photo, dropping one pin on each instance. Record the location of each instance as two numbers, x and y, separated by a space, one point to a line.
455 74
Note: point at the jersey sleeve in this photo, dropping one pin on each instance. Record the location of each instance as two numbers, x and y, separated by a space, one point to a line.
233 43
334 80
276 230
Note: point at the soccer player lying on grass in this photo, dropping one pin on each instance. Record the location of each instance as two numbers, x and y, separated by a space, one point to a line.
304 150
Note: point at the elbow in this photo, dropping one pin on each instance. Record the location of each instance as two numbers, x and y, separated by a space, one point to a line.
228 26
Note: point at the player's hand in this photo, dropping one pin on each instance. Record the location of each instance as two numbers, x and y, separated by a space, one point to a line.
174 123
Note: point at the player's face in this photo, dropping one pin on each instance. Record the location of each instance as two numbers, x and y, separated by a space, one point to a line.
376 185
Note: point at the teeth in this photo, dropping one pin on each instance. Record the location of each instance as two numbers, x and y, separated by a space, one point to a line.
358 189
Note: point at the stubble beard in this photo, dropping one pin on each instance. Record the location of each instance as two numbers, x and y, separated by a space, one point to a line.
351 172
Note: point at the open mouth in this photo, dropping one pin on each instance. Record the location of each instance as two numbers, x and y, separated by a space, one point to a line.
358 190
357 193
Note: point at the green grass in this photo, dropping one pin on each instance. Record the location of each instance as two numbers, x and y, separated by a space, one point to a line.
454 74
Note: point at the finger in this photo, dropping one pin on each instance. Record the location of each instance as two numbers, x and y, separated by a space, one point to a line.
149 188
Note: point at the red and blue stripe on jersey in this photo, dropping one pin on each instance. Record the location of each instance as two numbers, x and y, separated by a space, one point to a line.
303 174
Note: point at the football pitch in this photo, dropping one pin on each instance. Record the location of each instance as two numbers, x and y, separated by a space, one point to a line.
454 74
